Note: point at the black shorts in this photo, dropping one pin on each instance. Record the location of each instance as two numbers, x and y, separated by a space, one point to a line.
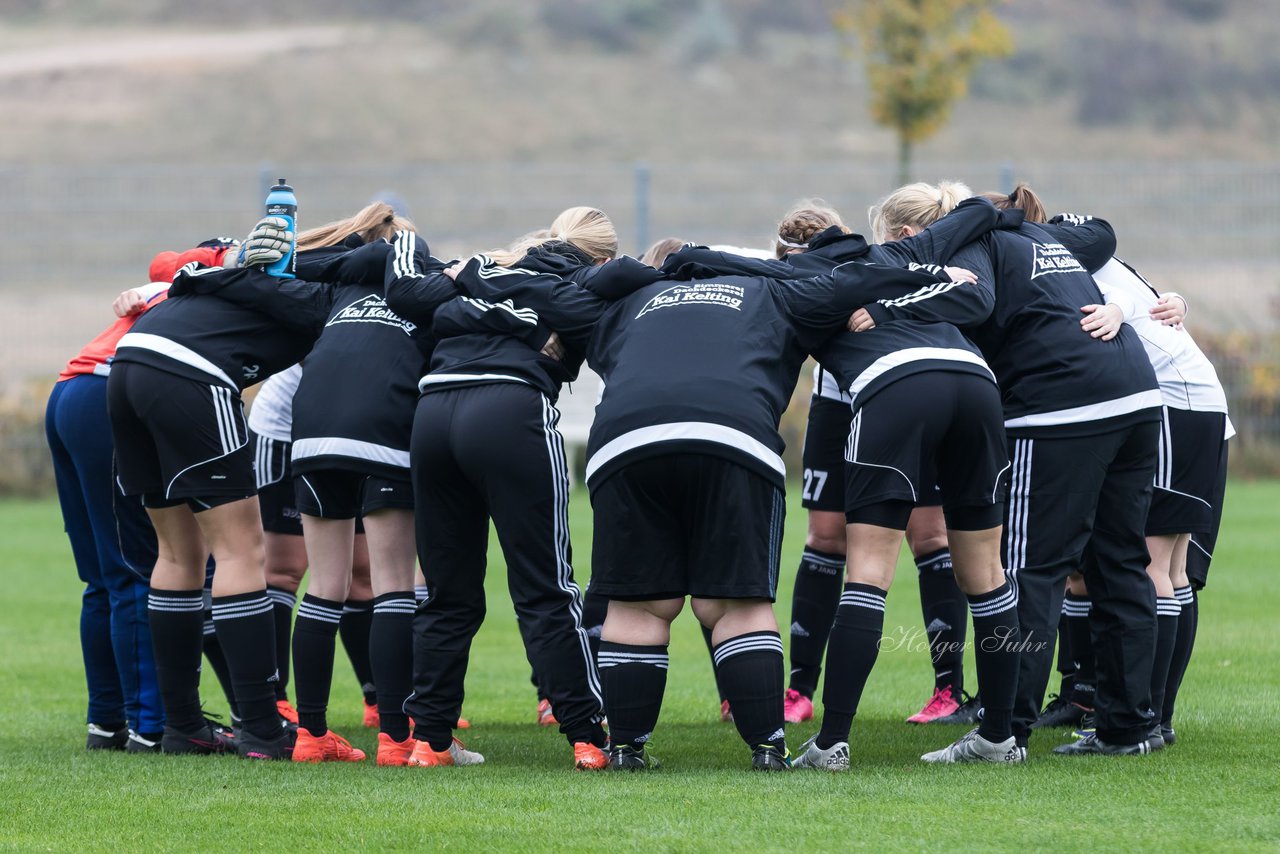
1187 474
342 494
178 440
823 454
276 501
686 525
1200 552
936 427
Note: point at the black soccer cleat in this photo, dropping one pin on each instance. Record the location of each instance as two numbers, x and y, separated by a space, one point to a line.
627 758
766 757
1060 712
1091 745
105 738
212 737
139 743
250 746
968 713
1166 732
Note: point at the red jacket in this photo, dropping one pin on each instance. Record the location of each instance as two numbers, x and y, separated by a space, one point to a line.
96 356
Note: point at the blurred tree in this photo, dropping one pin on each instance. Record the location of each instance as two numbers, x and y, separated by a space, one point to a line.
919 55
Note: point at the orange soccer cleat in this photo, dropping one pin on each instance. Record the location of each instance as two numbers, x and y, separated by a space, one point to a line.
394 753
286 710
329 747
588 757
457 754
372 720
546 717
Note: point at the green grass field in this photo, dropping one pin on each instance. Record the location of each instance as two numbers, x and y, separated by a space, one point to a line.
1217 789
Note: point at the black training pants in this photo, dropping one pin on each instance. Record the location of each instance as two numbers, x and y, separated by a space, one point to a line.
1081 503
481 452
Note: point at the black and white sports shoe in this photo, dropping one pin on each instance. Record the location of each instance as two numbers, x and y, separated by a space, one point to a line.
1059 712
627 758
103 738
766 757
969 712
213 737
139 743
1166 732
1091 745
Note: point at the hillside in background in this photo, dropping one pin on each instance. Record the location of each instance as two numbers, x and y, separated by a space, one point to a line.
169 81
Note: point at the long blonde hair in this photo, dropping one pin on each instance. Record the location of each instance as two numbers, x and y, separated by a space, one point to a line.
587 229
373 222
918 205
799 225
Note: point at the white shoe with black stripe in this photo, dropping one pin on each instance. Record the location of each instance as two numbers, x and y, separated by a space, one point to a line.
972 747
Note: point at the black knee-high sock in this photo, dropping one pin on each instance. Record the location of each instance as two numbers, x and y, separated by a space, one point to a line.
1181 650
357 619
218 661
1077 610
282 602
391 656
715 674
314 633
749 669
1168 611
177 621
945 613
851 654
247 632
996 653
634 678
1066 664
813 607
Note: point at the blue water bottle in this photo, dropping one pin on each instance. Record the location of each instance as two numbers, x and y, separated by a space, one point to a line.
282 202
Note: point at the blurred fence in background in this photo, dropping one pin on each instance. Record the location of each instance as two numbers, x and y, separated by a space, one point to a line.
73 237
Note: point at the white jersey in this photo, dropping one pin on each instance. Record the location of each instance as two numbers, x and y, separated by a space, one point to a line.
826 385
1187 378
271 414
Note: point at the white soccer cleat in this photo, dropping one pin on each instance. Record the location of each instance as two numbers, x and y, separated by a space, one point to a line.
462 756
835 758
972 747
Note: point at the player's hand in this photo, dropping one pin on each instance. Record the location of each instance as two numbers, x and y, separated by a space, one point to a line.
1169 310
128 304
454 269
860 321
1102 321
553 348
269 241
960 274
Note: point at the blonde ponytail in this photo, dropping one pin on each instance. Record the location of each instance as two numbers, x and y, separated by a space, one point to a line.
586 229
918 205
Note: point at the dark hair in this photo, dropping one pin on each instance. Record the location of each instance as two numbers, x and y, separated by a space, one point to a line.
1024 199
